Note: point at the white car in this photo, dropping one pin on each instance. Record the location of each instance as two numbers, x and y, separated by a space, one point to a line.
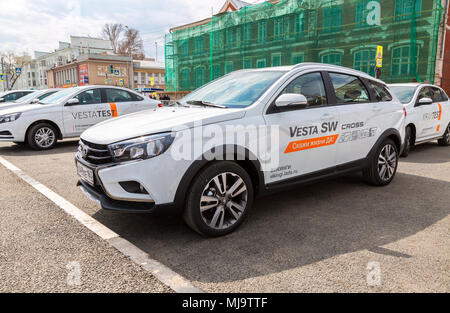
13 95
67 113
428 114
246 134
33 97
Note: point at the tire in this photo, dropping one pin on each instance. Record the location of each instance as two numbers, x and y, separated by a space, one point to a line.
381 170
445 141
408 142
227 207
46 132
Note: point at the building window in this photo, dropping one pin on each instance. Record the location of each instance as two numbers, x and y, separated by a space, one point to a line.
228 67
402 63
364 60
199 45
184 46
404 9
361 14
247 62
260 63
216 71
262 31
332 19
217 39
230 37
332 58
299 26
185 79
247 32
276 59
298 57
199 77
278 28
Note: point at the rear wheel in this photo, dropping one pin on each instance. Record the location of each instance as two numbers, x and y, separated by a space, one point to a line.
445 141
42 136
219 199
408 142
383 164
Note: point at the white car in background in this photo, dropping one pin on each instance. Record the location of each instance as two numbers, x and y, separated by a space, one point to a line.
428 114
67 113
13 95
30 98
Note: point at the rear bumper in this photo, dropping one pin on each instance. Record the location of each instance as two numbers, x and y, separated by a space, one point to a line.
107 203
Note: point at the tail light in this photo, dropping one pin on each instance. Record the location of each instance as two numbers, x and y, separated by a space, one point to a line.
404 110
160 105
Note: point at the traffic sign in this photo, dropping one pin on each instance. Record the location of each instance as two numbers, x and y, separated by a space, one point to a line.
152 81
18 70
379 56
106 81
2 77
120 82
116 72
68 81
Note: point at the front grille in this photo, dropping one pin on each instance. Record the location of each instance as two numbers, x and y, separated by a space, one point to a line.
94 153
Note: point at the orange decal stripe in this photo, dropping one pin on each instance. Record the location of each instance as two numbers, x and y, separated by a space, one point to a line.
113 109
440 111
312 143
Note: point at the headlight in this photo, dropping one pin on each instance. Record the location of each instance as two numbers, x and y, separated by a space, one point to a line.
141 148
9 117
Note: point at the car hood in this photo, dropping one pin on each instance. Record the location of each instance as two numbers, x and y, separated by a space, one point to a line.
157 121
18 108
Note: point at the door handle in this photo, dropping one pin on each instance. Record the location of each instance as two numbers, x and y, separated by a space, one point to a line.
327 117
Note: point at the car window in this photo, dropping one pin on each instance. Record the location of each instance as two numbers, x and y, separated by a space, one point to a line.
45 95
349 89
403 93
436 94
311 86
444 95
381 92
89 96
13 96
425 92
117 95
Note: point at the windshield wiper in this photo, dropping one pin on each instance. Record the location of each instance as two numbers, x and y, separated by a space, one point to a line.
206 104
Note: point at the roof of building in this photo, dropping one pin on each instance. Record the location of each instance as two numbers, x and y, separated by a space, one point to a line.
148 64
233 5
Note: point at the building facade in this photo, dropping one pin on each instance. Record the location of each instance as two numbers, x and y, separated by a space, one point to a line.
148 75
34 73
274 33
92 69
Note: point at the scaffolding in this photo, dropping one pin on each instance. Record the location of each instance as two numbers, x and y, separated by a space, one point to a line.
341 32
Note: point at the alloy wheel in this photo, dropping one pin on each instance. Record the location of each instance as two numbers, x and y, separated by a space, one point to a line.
387 162
44 137
223 200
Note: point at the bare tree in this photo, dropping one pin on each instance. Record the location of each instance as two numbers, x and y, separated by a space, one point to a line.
132 44
11 61
112 32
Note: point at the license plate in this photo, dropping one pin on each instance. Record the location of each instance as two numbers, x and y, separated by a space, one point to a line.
85 173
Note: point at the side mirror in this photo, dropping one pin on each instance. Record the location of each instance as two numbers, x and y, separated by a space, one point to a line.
2 100
34 101
424 101
291 99
73 101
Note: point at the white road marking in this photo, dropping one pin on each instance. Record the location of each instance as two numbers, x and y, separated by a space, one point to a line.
159 270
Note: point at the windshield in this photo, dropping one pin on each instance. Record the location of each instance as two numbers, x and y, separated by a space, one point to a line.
26 98
403 93
56 97
236 90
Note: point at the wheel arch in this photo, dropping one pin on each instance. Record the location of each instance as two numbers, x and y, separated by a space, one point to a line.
390 133
58 129
242 156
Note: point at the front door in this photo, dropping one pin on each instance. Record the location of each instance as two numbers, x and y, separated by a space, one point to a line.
429 115
89 111
307 134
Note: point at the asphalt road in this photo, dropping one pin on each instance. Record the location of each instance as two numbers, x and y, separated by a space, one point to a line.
320 238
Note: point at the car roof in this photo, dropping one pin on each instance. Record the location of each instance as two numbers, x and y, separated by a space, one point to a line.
411 85
318 66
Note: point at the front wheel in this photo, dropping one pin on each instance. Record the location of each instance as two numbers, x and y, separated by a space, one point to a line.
219 199
383 164
445 141
42 136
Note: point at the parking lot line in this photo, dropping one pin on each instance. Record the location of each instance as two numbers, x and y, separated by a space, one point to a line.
159 270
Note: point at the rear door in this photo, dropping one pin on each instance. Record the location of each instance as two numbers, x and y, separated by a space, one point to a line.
90 110
443 105
120 101
429 115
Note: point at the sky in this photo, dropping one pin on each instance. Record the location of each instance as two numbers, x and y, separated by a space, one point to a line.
29 25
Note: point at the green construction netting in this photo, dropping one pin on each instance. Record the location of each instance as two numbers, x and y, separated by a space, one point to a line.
342 32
